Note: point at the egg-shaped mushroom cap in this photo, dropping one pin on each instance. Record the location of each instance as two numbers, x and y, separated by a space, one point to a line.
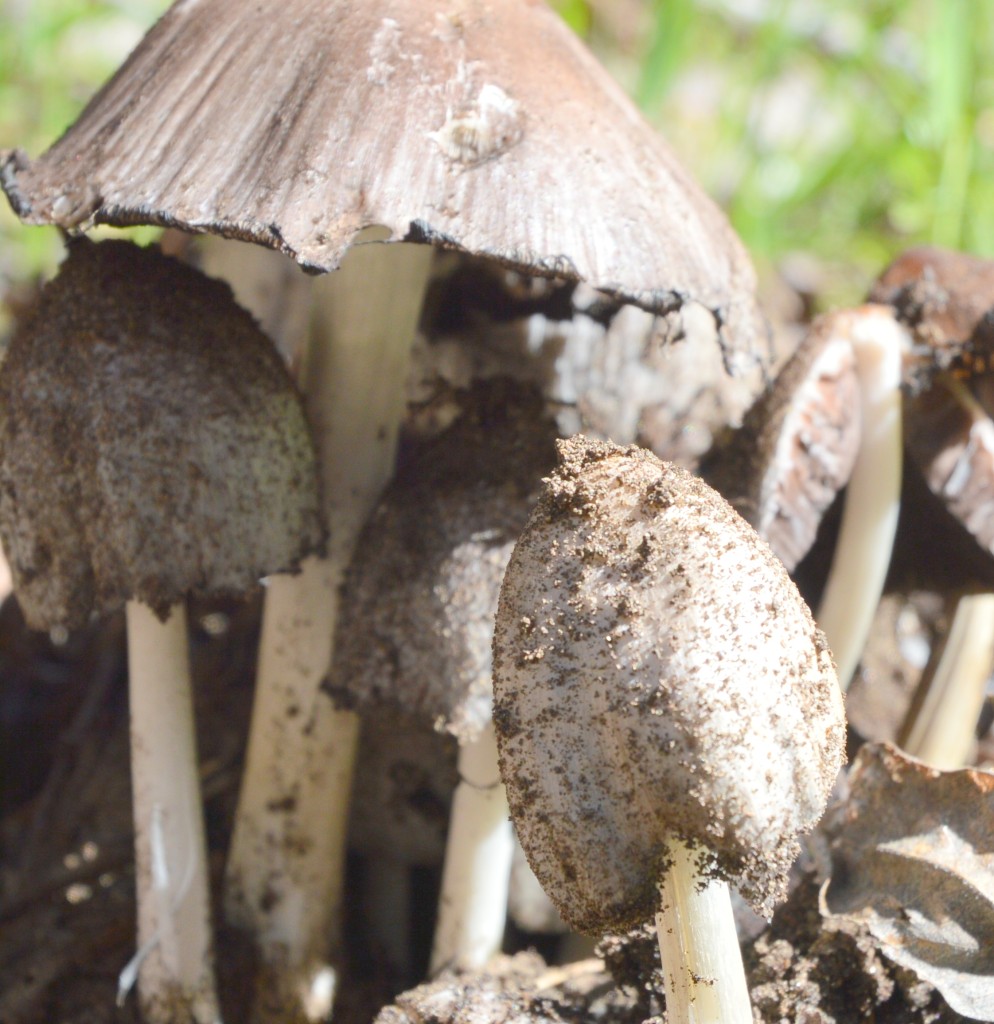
152 445
297 123
656 675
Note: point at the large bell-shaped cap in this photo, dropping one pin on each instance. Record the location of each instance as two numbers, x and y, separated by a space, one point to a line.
479 125
151 443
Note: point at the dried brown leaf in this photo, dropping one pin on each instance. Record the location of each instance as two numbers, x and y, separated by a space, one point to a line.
914 863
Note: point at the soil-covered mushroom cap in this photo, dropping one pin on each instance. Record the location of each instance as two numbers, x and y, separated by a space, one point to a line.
417 619
152 445
656 675
296 123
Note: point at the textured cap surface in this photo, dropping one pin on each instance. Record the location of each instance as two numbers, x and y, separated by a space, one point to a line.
797 445
151 443
416 625
296 123
655 675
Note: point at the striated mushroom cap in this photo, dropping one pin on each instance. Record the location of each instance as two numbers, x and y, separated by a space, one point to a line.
297 123
798 443
656 675
416 624
152 445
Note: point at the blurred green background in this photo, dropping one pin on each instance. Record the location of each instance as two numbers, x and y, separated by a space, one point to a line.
834 132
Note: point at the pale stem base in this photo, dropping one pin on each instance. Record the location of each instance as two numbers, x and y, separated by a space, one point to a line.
472 909
873 499
941 725
702 964
176 950
285 866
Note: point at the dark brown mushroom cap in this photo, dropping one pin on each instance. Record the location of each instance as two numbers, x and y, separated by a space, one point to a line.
797 445
481 125
656 676
420 595
152 445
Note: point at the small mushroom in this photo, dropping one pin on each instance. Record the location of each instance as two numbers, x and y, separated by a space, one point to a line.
667 713
152 448
417 626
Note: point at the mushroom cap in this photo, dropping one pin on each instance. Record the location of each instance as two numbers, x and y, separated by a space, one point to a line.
152 445
797 445
297 123
416 623
656 675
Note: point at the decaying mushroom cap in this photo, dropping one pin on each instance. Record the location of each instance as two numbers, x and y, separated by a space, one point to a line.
296 123
417 616
797 445
947 299
151 443
656 675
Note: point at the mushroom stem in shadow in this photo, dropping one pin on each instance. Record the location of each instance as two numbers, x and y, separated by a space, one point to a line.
941 722
472 908
287 859
869 519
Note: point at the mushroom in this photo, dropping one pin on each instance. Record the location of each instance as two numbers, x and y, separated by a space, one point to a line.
797 444
782 473
946 299
152 448
442 122
667 714
417 625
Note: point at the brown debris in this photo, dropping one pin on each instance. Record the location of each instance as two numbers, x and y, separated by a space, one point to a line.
913 863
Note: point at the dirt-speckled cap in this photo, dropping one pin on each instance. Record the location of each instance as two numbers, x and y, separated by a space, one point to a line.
296 123
656 674
152 445
417 618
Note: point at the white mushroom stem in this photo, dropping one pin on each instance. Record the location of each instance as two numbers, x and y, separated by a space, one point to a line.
873 498
704 980
472 909
175 958
286 863
941 725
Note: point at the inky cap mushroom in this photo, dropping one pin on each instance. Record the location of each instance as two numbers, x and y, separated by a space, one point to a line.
797 445
449 123
151 444
417 621
657 678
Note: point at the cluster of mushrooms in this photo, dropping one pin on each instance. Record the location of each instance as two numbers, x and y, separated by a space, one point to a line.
664 717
